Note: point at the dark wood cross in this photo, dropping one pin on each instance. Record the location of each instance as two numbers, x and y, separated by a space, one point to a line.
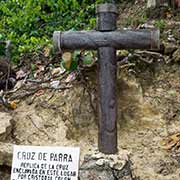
106 41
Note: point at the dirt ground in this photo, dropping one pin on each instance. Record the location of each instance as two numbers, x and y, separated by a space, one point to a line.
146 122
147 115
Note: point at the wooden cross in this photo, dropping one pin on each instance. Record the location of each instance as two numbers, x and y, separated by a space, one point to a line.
106 41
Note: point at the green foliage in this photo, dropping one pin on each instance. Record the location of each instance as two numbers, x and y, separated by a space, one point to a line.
88 58
29 24
160 24
2 49
72 60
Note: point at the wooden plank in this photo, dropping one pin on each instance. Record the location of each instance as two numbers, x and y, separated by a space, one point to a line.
107 141
91 40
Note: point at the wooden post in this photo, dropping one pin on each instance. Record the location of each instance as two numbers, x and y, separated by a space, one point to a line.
106 40
107 139
92 40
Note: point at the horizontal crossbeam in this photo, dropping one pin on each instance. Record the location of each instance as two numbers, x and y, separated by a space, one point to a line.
91 40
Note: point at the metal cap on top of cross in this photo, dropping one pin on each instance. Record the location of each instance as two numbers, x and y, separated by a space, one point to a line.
106 40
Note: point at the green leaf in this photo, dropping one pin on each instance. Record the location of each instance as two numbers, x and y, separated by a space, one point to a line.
73 66
88 59
33 67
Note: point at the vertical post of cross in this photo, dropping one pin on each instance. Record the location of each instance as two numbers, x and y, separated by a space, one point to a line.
107 141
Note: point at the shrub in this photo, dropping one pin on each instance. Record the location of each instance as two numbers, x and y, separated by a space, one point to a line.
29 24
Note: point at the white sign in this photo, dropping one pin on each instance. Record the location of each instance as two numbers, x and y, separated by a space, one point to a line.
45 163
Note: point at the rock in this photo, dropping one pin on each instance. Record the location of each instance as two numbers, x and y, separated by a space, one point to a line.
176 55
105 167
5 128
6 152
